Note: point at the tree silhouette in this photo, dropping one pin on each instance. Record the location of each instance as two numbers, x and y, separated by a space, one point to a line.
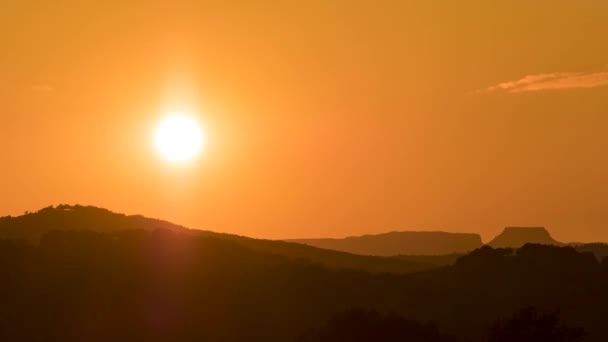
127 278
362 325
528 325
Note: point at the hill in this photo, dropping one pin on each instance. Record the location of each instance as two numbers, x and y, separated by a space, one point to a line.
515 237
32 227
163 285
401 243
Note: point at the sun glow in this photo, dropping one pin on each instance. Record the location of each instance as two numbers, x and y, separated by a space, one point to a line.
179 137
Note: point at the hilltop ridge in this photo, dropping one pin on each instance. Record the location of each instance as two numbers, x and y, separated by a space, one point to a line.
32 227
515 237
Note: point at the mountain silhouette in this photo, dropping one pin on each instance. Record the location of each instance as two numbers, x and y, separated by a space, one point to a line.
32 227
515 237
164 282
401 243
163 285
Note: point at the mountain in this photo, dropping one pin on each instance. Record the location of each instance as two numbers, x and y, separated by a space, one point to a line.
515 237
400 243
32 227
162 285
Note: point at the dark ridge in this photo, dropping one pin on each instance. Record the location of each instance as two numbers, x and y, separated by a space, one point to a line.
32 227
161 285
600 250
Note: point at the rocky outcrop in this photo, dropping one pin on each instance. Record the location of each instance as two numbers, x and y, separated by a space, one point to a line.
515 237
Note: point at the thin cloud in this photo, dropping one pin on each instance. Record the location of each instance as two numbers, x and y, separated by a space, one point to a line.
43 88
563 80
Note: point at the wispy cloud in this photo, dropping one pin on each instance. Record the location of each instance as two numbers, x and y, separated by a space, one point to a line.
563 80
43 88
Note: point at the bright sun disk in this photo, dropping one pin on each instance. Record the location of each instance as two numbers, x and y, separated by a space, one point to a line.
179 138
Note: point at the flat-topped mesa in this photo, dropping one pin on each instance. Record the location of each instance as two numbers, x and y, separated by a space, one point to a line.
401 243
515 237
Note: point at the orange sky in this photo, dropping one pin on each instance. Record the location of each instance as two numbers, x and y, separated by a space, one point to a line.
324 119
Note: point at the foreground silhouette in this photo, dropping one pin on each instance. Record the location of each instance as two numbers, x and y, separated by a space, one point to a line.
360 326
529 325
175 285
356 325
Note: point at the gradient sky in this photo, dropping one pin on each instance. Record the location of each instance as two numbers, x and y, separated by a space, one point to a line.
324 118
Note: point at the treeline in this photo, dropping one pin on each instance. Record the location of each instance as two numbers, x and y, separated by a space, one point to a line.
357 325
164 285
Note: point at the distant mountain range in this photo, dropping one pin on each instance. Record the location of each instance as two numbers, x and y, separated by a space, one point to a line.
33 227
376 253
449 245
401 243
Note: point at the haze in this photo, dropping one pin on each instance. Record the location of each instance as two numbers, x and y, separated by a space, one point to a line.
322 119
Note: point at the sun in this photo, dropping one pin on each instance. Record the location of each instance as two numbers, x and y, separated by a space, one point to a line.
179 137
